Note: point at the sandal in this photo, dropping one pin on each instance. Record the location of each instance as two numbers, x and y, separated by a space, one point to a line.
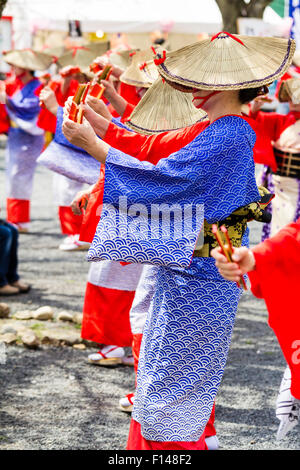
9 290
126 403
107 356
23 288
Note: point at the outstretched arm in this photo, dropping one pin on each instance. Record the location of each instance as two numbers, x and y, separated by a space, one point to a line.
84 136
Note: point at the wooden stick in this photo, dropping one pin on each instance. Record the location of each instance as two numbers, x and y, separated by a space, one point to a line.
230 248
222 246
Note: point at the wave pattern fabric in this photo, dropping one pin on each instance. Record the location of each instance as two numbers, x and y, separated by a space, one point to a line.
215 172
25 141
183 355
68 160
190 321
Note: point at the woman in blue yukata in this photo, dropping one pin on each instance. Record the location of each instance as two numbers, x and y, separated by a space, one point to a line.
191 317
25 139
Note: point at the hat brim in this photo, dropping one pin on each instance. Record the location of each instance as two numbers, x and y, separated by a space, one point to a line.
163 109
228 64
28 59
290 91
134 74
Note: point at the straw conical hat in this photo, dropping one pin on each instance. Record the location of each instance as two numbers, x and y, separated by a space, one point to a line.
150 71
56 52
120 59
163 108
290 91
28 59
83 56
227 62
296 58
134 74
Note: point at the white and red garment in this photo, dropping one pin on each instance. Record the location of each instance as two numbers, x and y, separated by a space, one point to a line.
65 190
280 132
109 294
25 143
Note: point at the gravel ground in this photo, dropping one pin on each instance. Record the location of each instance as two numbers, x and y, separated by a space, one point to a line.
52 398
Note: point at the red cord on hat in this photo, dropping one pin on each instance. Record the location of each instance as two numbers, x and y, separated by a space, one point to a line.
132 53
228 34
76 48
161 59
142 66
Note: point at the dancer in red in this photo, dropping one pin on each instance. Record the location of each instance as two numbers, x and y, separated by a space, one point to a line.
273 268
281 155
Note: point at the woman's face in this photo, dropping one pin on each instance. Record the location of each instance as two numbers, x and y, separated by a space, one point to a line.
203 98
19 72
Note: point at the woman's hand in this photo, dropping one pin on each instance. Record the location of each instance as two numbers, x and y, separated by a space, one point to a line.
67 106
80 135
77 205
83 135
98 122
115 71
48 98
2 92
244 261
99 107
258 102
110 92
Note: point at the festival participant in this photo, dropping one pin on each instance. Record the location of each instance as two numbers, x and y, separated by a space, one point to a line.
273 268
190 321
281 155
111 286
53 96
25 138
133 85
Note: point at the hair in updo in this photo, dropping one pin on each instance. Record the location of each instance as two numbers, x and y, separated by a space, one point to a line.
248 94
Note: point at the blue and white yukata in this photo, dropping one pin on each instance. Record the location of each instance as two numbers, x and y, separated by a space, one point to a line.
189 325
25 142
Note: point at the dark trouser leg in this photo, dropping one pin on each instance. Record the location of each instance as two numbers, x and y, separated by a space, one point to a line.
5 249
12 275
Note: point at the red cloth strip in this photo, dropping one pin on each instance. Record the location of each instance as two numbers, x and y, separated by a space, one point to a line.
228 34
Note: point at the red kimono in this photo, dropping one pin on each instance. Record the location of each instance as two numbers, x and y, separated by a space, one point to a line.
276 279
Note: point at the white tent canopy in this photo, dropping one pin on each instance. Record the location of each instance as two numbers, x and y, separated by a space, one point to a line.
113 16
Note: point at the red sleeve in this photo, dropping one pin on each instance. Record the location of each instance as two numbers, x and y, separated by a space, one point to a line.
279 254
38 90
164 144
93 211
12 86
47 121
152 148
128 110
268 127
129 93
276 279
4 119
126 141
